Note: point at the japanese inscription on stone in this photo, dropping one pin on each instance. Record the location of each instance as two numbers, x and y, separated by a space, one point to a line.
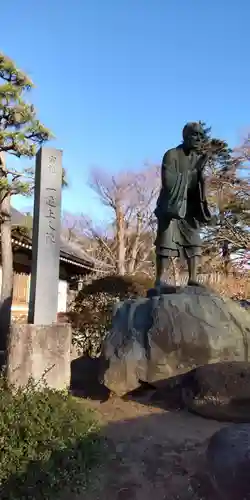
51 202
46 237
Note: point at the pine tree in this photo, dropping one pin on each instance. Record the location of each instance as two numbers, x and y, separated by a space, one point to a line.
21 133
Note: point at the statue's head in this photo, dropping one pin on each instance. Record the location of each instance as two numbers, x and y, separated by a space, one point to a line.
192 135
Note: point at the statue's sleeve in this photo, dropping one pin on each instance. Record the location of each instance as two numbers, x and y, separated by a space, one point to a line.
174 185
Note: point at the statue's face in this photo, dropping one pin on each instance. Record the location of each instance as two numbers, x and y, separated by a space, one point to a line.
192 135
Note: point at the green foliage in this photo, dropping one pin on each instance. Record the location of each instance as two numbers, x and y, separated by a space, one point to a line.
21 133
229 199
92 311
64 178
228 193
48 443
218 152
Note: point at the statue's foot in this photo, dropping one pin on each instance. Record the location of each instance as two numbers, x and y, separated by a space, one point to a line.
194 283
156 291
161 288
158 286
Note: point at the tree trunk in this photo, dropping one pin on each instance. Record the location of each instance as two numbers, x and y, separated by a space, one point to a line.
135 247
120 235
226 257
7 264
132 260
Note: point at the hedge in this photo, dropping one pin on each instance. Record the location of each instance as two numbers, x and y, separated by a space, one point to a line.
91 314
48 442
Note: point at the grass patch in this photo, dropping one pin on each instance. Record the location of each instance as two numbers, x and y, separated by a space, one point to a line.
48 443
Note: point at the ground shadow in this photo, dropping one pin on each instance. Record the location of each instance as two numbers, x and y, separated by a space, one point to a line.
85 375
159 454
219 391
167 394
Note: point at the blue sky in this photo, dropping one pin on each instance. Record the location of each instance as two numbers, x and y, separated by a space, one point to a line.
116 80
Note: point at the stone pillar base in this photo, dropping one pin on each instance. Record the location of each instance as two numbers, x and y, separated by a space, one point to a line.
41 353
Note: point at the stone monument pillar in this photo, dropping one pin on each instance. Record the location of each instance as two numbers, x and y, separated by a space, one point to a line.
46 237
41 349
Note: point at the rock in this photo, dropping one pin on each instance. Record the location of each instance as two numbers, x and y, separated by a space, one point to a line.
220 391
155 338
228 462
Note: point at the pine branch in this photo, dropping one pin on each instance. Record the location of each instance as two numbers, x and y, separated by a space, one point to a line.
21 133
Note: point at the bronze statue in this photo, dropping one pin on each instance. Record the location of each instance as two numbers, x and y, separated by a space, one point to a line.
182 206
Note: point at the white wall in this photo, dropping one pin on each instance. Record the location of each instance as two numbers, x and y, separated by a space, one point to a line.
62 296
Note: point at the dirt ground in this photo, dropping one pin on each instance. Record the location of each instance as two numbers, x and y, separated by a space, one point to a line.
152 452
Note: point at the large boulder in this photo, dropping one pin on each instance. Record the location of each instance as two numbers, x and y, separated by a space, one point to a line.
228 462
152 339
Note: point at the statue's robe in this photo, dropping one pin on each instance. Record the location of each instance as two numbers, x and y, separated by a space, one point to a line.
182 205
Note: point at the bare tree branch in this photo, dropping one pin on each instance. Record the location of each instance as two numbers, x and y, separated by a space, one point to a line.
127 241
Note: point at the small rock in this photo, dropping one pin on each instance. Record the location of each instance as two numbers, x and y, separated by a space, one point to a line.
228 462
220 391
244 303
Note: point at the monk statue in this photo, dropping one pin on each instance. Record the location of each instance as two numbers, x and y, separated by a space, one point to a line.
182 206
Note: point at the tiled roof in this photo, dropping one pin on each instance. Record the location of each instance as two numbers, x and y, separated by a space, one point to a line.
69 251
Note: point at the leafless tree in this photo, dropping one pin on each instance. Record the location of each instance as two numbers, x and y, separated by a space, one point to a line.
125 243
